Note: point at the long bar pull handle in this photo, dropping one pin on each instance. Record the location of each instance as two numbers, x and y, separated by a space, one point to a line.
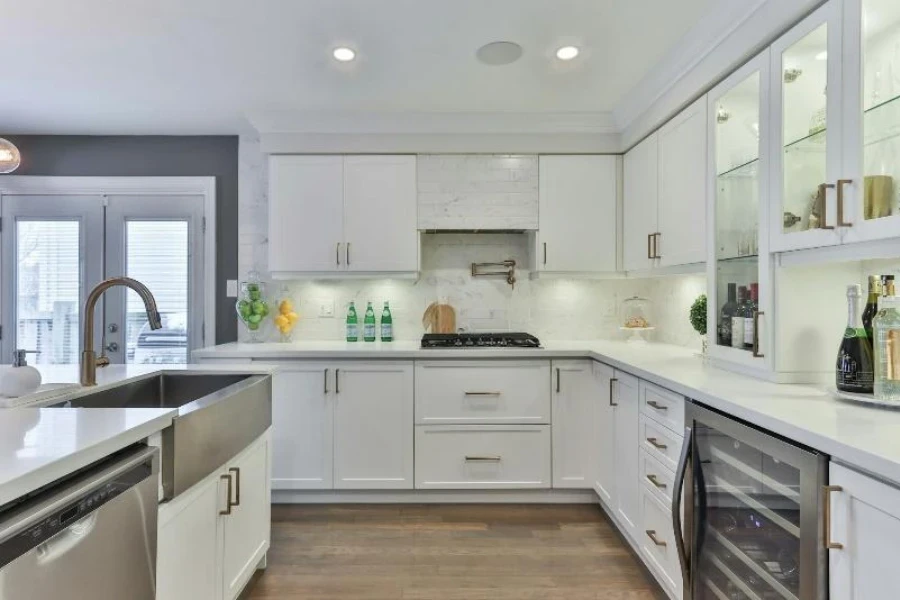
483 459
656 237
481 393
337 254
337 381
649 244
228 506
827 502
651 533
237 485
756 316
558 376
348 254
822 192
840 202
680 483
655 481
656 443
545 253
612 380
656 405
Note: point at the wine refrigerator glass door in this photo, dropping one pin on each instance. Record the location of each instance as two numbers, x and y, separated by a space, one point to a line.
756 519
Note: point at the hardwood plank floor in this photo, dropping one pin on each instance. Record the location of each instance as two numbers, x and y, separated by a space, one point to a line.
448 552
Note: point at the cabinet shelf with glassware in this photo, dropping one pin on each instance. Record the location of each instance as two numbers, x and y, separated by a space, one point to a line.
835 81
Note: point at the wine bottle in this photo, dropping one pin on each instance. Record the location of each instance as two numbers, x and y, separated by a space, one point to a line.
749 311
871 308
728 310
737 320
855 370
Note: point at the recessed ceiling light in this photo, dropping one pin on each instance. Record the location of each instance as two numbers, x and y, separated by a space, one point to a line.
567 53
822 55
499 53
344 54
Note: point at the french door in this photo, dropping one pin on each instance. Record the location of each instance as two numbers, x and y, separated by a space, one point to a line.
56 248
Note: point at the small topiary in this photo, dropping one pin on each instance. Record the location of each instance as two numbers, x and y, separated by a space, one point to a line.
698 314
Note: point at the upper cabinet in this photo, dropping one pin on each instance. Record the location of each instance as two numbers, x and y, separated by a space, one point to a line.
334 216
681 238
665 194
578 214
835 84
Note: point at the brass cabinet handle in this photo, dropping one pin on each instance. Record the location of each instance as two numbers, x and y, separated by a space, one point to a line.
227 510
337 382
827 529
348 254
557 379
840 202
656 405
651 533
337 254
481 393
545 253
237 485
649 252
822 188
656 238
482 459
756 315
656 444
655 481
612 380
326 381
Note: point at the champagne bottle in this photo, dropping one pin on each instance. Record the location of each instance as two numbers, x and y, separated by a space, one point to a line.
855 371
387 324
369 324
352 324
871 308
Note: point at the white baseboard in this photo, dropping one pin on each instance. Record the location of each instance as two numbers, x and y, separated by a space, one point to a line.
435 497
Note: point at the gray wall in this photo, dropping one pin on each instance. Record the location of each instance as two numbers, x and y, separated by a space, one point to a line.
146 156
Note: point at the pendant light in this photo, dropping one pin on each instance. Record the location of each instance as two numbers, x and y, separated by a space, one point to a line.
10 159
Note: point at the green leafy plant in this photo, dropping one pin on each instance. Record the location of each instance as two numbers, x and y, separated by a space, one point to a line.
698 314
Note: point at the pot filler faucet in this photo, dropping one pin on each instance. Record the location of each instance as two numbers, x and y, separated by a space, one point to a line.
89 359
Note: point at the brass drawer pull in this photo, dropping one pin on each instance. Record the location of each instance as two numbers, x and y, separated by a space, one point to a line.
840 202
237 485
228 506
649 242
482 459
655 481
827 529
656 444
482 393
656 405
822 188
656 238
651 533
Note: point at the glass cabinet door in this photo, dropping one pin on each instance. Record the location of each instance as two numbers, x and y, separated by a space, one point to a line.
806 91
871 190
738 122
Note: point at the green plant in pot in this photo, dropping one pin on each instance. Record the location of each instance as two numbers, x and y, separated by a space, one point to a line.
698 319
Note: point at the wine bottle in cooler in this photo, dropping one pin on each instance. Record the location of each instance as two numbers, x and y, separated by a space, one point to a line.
855 369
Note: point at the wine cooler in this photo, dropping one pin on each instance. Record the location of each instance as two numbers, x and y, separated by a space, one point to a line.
753 513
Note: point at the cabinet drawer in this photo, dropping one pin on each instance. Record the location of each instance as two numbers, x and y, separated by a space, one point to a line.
485 392
664 406
660 442
656 477
483 457
658 540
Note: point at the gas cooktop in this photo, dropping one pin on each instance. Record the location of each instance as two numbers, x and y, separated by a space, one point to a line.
480 340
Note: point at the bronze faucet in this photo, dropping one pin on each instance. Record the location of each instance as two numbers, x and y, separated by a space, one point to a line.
89 360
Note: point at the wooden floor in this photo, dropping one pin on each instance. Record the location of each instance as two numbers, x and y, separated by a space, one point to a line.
452 552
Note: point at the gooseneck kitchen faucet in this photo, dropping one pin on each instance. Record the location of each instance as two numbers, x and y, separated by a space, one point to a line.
89 359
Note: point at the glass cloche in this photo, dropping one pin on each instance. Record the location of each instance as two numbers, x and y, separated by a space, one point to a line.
636 317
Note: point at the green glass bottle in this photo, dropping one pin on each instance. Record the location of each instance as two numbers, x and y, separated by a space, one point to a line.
369 324
387 324
352 324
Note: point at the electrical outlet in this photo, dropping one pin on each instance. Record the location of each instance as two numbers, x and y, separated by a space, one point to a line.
326 309
231 288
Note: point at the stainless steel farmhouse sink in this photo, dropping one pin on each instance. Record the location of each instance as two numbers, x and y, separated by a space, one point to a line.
218 416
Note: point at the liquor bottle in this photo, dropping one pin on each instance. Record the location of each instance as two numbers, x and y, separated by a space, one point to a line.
387 324
855 371
737 320
871 308
749 311
728 310
887 285
369 324
352 324
887 350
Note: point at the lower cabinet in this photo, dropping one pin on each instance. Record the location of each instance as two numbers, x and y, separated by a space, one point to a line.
865 522
657 541
212 537
572 418
626 456
604 433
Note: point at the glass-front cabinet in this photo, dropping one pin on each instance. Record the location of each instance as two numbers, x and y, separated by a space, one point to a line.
738 266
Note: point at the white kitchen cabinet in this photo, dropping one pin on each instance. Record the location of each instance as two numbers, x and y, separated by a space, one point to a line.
627 453
578 214
573 405
302 426
865 521
333 216
210 542
604 433
681 237
380 228
246 526
641 193
373 426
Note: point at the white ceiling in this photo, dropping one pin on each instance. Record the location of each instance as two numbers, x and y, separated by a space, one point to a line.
202 66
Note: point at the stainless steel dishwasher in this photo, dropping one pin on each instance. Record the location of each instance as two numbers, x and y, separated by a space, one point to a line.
92 536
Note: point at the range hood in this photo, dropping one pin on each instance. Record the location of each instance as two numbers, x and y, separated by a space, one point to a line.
477 193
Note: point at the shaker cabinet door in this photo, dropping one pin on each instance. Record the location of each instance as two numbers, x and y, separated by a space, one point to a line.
604 434
627 453
641 191
572 424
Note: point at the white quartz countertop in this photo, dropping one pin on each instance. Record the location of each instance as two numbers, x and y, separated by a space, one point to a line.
863 437
41 445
